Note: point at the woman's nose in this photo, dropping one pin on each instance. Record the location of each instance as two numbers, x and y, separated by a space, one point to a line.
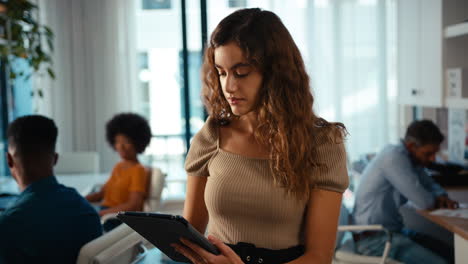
118 146
230 84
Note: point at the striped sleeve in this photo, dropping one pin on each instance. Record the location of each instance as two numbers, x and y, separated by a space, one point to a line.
204 145
332 173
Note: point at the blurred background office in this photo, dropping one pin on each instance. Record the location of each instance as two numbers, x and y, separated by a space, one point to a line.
375 65
145 55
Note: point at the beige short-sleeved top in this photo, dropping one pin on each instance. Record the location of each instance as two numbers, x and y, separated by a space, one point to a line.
243 203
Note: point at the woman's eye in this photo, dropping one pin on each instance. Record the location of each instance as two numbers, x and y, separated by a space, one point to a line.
242 71
221 73
241 74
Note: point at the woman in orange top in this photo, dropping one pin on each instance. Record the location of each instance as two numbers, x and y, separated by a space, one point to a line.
128 134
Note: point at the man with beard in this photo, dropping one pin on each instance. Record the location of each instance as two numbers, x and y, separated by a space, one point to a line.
394 177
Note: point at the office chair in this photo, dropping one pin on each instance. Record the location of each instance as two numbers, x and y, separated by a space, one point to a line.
345 252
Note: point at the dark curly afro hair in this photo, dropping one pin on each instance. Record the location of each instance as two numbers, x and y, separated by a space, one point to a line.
133 126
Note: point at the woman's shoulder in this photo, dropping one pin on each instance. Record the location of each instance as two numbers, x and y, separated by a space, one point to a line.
325 133
119 165
139 167
202 148
331 157
209 133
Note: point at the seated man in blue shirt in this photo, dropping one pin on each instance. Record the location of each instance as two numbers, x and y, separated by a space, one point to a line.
395 176
49 222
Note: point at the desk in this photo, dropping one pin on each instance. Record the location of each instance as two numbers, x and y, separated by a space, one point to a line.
84 182
81 182
458 226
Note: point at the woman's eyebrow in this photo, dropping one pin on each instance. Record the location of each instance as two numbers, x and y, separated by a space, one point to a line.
237 65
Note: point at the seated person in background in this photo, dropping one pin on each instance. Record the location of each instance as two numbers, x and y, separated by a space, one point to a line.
49 222
128 134
397 175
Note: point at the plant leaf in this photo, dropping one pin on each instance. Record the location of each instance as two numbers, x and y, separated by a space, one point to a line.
51 44
26 38
49 32
51 73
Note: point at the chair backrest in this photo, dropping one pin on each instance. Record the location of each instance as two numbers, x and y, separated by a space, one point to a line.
121 245
345 219
345 250
77 162
156 182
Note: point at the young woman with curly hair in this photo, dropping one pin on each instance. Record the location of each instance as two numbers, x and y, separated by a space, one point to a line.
128 134
265 172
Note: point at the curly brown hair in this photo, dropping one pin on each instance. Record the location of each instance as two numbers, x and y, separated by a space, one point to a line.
286 121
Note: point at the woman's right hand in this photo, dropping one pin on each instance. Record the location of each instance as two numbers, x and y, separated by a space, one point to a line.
198 255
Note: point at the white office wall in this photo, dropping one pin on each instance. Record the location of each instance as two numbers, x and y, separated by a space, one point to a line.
95 66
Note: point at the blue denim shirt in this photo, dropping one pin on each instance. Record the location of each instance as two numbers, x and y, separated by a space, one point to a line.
389 181
48 223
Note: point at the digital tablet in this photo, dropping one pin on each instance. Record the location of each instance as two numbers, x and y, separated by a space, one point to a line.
162 230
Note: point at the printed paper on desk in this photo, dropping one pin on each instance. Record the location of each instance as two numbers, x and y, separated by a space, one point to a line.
461 212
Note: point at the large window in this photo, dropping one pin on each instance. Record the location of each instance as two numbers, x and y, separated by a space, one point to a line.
348 47
3 119
169 77
156 4
15 101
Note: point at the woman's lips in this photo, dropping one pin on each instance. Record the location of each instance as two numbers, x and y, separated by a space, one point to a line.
234 100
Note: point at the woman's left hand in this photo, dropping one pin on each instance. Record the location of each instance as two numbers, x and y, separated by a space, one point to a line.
198 255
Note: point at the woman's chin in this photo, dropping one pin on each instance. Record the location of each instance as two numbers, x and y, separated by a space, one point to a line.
238 111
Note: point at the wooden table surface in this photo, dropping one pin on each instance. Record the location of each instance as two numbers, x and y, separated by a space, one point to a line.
456 225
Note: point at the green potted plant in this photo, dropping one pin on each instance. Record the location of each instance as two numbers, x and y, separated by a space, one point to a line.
23 37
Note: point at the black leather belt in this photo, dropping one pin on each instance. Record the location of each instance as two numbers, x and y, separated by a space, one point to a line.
249 253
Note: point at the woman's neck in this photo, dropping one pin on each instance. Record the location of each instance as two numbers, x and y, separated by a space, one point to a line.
247 123
133 160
